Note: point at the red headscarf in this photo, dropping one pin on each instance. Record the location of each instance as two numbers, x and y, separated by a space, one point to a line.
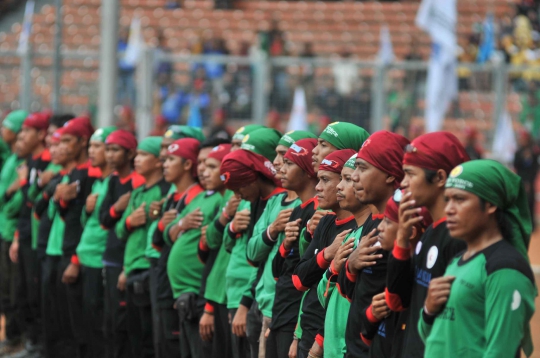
39 120
300 153
335 161
122 138
55 137
434 151
187 148
78 127
243 167
384 150
220 152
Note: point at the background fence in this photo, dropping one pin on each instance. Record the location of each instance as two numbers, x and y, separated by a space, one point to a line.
260 89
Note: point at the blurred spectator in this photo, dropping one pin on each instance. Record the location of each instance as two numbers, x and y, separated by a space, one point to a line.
162 66
198 103
214 70
307 51
329 100
160 126
345 73
400 105
526 165
219 128
472 143
126 71
358 103
272 41
173 4
530 109
468 54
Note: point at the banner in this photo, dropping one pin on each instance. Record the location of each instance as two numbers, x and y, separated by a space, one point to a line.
386 51
24 39
504 141
298 119
135 44
438 19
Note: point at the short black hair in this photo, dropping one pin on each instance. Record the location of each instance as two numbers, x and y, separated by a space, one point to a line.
59 119
213 142
430 175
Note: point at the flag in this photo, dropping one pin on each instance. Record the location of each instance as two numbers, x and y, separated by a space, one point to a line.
504 141
135 44
438 19
386 52
194 117
24 38
298 119
488 40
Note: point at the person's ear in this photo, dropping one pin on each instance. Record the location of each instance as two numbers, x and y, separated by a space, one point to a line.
390 179
490 208
440 178
188 164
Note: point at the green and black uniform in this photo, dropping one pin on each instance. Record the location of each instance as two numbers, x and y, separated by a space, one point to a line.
308 274
490 304
336 306
118 343
168 317
186 271
288 299
136 266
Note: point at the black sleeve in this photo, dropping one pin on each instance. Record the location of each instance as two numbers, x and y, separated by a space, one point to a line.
279 261
399 282
105 218
202 253
312 266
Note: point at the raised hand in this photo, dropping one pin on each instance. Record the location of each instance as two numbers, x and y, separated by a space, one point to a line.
364 255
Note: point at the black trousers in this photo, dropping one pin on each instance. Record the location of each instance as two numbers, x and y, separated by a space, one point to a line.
253 329
308 338
139 313
57 331
115 327
79 324
9 280
191 344
92 305
240 345
221 340
279 341
156 325
28 294
169 331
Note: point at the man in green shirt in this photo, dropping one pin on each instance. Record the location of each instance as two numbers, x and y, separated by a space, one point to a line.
133 228
482 305
11 126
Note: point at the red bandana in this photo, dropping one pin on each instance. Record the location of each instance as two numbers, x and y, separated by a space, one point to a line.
243 167
335 161
38 120
300 153
122 138
220 152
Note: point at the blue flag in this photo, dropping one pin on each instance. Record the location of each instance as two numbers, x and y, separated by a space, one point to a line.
194 117
488 41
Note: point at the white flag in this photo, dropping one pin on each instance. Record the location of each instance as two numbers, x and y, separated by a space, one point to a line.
135 44
26 31
438 18
386 51
504 141
298 119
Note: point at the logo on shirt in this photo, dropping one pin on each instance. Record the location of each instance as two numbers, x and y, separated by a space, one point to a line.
516 300
418 247
432 256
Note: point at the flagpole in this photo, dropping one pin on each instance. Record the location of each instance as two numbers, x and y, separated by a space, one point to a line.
57 57
108 63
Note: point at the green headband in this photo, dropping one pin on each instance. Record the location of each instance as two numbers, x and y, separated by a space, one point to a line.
101 134
263 141
151 145
242 131
343 135
350 163
177 131
14 120
291 137
496 184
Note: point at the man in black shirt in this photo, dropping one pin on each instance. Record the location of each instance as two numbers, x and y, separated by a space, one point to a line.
427 163
322 248
378 173
297 175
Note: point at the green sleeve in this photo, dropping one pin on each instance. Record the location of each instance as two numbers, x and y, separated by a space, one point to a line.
13 206
51 210
84 216
257 250
303 244
228 240
214 238
166 236
509 308
424 328
325 288
120 229
298 329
